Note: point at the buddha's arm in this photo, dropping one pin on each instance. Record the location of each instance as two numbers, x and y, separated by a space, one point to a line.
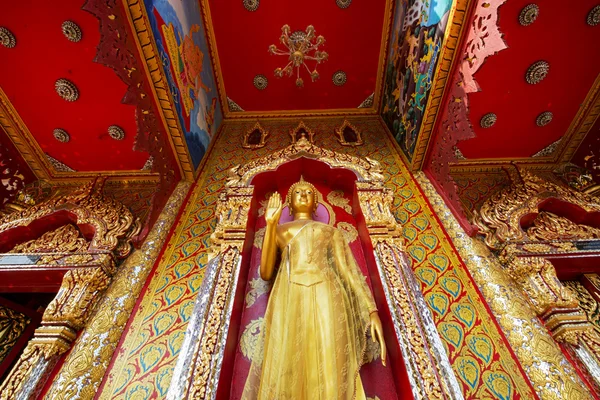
349 268
351 272
269 247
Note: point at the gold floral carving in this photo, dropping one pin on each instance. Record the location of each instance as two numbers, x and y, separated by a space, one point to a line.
114 225
537 277
242 174
258 287
84 367
348 231
12 326
65 315
252 340
258 237
530 340
337 198
65 239
208 342
549 226
500 215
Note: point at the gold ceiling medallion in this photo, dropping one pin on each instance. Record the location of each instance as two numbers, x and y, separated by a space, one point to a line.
343 3
537 72
488 120
339 78
593 17
302 131
66 89
116 132
529 14
544 118
71 31
261 82
348 134
251 5
301 46
61 135
255 137
7 39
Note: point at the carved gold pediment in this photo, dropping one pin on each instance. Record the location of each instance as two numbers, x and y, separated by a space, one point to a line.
365 168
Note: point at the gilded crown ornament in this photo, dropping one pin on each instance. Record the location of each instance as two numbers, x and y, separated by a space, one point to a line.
7 39
593 17
116 132
488 120
529 14
66 89
61 135
71 31
537 72
301 47
544 118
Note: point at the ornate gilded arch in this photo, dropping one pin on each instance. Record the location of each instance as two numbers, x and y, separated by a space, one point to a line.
198 367
86 265
526 237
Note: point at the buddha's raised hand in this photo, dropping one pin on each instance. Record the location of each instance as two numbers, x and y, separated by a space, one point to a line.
274 208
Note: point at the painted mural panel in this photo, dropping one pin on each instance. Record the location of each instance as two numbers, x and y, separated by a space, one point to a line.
179 32
417 38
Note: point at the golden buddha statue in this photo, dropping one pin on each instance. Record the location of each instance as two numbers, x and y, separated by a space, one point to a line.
319 310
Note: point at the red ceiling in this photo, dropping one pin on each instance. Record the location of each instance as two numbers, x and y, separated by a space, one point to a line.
43 55
353 40
560 36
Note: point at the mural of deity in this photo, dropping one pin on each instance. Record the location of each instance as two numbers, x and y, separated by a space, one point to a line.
181 40
417 38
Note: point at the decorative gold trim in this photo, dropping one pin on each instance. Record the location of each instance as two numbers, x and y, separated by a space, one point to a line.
449 55
144 40
214 55
340 134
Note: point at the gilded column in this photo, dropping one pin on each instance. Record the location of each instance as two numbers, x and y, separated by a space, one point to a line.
82 371
549 371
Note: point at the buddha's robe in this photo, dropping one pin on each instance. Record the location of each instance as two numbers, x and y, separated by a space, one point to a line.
316 322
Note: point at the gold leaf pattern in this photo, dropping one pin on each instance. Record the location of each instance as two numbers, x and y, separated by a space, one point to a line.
348 231
336 198
259 287
252 340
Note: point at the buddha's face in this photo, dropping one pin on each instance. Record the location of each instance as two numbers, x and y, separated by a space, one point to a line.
303 199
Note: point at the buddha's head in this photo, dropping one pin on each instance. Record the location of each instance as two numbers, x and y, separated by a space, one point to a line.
302 198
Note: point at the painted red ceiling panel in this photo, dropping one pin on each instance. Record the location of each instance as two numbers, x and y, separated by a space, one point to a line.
43 55
353 40
560 36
